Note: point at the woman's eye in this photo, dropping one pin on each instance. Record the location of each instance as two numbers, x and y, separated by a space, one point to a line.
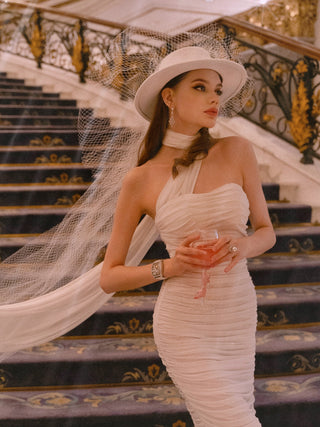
200 88
219 92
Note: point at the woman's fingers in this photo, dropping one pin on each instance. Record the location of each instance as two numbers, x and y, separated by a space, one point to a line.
190 258
190 239
233 263
226 250
193 256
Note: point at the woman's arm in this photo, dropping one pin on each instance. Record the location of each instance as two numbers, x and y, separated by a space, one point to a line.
115 276
263 237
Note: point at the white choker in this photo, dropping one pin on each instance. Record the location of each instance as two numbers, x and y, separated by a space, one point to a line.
177 140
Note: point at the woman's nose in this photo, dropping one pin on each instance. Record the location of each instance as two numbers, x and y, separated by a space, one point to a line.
214 99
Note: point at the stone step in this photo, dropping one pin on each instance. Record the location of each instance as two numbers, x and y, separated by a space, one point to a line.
288 351
134 360
285 269
271 191
36 137
19 86
11 218
153 406
30 220
45 101
50 135
288 400
289 213
96 360
45 195
297 239
127 314
120 316
39 110
27 93
285 306
40 121
293 399
49 174
9 80
40 155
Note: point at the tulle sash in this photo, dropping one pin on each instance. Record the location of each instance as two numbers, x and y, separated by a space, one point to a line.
49 316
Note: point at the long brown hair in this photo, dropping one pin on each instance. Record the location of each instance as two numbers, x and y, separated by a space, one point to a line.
152 141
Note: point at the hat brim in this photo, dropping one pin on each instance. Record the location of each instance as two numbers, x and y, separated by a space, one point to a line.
234 77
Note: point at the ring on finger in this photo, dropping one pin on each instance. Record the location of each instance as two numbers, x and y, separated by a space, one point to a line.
233 249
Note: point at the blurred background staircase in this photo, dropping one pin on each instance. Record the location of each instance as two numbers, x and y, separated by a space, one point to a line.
106 372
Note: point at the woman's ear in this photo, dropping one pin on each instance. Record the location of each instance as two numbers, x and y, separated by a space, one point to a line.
167 96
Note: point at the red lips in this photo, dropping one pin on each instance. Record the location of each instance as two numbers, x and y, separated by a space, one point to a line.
212 112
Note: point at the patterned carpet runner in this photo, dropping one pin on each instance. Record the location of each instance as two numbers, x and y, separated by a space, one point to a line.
107 372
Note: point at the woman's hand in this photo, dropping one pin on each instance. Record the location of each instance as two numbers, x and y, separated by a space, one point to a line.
187 258
229 249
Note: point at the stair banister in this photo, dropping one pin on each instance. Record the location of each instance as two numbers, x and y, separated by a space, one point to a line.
288 91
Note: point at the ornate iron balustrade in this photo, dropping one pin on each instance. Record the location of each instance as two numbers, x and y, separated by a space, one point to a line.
32 32
286 100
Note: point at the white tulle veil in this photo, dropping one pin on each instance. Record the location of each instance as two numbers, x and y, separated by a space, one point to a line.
52 284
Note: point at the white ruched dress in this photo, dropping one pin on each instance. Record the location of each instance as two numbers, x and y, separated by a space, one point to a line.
208 348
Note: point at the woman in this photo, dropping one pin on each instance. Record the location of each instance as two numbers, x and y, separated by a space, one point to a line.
186 180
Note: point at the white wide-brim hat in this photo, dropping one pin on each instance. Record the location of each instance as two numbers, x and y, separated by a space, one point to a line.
183 60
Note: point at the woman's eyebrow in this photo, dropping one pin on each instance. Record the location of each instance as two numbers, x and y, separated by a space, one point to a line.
205 81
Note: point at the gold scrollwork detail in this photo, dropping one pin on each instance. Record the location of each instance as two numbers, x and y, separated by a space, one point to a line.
134 326
67 201
306 246
80 52
276 319
301 68
64 179
53 158
278 72
4 378
5 122
299 124
267 118
46 141
154 374
300 364
249 103
316 104
179 423
38 39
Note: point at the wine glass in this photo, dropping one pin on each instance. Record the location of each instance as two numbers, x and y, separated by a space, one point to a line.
206 243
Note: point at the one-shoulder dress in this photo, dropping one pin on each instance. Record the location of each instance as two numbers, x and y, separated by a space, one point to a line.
208 348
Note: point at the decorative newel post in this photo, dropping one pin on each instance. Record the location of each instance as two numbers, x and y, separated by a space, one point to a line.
305 109
80 52
38 40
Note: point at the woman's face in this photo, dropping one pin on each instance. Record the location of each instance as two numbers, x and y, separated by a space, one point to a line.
195 101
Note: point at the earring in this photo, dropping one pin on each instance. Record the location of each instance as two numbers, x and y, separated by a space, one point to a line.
171 117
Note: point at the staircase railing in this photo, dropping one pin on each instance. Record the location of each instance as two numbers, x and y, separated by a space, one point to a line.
286 100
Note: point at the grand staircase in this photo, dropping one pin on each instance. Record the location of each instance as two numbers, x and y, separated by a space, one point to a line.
107 372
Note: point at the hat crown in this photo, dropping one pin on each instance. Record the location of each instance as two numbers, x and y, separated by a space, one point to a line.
183 55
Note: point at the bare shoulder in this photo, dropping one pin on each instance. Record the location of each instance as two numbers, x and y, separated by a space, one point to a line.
135 178
235 149
235 143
